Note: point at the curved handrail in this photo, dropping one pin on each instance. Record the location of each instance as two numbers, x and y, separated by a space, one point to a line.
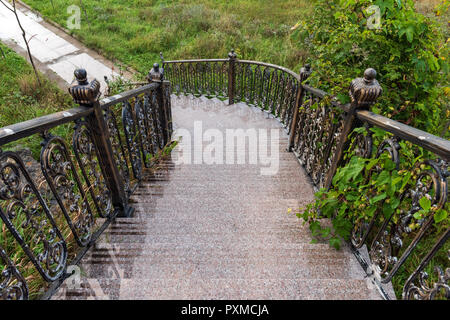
274 66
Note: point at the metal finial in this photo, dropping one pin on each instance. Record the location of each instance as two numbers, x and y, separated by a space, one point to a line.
369 75
81 76
82 91
232 55
305 72
162 57
156 73
365 91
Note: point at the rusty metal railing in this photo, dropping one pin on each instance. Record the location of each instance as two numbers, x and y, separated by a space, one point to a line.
91 160
321 135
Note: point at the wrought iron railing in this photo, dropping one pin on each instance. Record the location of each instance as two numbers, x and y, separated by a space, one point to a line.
89 170
321 135
91 159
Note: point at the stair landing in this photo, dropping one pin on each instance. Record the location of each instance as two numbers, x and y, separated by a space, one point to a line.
218 231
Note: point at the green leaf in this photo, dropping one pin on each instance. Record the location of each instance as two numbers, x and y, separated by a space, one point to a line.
326 232
335 243
370 211
440 215
410 34
387 210
371 163
419 214
383 178
395 202
378 198
425 203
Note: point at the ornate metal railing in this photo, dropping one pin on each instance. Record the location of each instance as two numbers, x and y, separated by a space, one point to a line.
91 159
321 135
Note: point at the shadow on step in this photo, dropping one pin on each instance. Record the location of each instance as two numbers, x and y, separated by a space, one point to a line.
112 258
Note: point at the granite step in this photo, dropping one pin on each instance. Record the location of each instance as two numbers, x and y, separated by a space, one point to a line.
218 231
220 289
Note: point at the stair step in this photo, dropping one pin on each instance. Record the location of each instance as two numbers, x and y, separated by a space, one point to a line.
176 269
221 289
266 238
218 231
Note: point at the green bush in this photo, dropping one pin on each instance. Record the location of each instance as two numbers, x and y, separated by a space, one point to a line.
408 51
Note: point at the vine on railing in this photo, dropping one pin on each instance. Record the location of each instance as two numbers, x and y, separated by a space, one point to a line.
84 174
354 157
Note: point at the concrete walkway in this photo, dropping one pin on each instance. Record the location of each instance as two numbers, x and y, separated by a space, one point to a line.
218 231
56 53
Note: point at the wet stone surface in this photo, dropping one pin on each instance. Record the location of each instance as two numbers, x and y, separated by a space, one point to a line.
218 231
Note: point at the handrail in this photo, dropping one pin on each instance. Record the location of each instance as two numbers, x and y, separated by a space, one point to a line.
421 138
121 97
26 128
269 65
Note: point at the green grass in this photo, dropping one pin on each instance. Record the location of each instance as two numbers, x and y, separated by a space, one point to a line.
134 32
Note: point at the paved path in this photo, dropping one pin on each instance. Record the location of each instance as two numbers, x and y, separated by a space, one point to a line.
218 231
55 51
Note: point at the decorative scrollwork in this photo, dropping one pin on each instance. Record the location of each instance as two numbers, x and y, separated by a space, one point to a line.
386 251
249 92
258 86
240 78
118 148
157 125
273 92
149 102
420 286
146 147
288 100
29 220
87 157
266 88
62 177
12 284
363 142
168 111
132 139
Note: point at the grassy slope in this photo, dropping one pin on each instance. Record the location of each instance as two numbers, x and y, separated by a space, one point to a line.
134 32
22 99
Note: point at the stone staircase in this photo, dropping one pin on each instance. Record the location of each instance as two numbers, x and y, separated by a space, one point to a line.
218 231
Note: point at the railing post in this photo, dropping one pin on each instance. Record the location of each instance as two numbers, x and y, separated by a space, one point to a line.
156 74
305 72
363 93
231 76
88 94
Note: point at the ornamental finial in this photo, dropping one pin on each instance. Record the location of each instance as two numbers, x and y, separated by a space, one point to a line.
156 73
365 91
232 55
82 91
305 72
